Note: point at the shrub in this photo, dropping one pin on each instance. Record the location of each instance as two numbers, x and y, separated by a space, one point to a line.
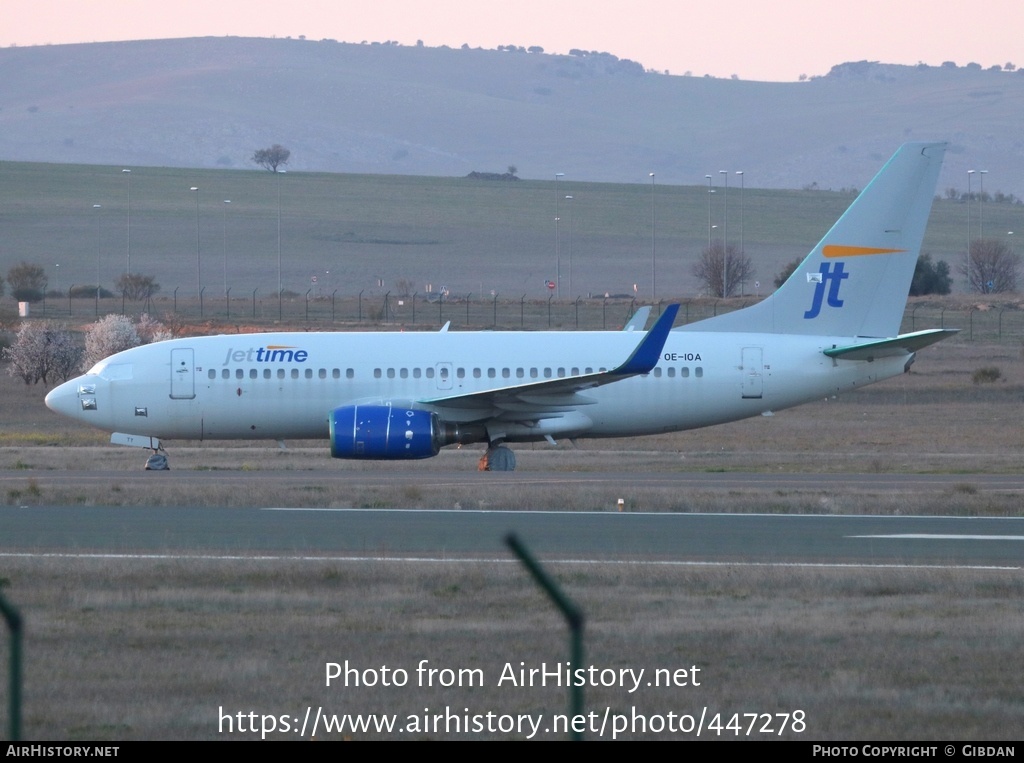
986 375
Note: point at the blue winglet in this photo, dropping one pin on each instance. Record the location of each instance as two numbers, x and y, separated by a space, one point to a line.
645 356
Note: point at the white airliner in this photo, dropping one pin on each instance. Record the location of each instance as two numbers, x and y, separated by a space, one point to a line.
831 327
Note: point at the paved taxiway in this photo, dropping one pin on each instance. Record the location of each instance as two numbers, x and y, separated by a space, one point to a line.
588 536
679 481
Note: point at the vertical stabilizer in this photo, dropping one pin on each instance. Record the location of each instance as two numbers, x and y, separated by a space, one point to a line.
855 282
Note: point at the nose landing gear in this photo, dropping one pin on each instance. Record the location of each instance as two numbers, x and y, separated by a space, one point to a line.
158 461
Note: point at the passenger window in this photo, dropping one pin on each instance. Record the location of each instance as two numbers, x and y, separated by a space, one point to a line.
460 373
476 373
547 373
505 373
253 373
335 373
376 373
491 373
239 373
225 374
698 372
417 373
430 373
213 373
309 373
323 373
520 373
404 373
685 372
295 373
280 373
671 371
266 373
657 373
391 373
350 373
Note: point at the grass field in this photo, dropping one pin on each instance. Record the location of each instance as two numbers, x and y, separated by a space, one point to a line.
151 649
367 233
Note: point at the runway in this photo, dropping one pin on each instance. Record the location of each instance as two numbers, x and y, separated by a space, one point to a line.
584 537
427 477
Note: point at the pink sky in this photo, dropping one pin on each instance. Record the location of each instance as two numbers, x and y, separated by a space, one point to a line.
753 39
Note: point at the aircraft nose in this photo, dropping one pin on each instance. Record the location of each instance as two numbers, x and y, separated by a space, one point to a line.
73 398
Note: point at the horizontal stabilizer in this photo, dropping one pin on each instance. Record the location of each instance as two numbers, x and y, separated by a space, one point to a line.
885 348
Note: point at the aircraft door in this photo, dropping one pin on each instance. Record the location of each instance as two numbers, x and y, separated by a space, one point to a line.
444 375
183 379
752 370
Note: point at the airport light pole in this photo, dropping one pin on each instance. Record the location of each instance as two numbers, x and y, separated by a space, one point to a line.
569 199
279 286
710 191
725 237
128 264
742 252
558 264
654 269
981 202
970 173
97 207
225 237
199 269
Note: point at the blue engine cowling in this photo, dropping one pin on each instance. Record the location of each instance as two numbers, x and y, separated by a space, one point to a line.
384 432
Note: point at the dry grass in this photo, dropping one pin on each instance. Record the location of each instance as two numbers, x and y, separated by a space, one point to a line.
151 649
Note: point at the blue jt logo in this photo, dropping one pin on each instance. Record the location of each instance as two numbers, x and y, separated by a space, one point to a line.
832 277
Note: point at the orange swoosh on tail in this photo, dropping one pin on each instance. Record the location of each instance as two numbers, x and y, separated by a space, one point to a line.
838 250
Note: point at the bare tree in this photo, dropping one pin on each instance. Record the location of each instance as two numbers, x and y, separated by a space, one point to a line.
723 270
27 281
404 286
991 267
136 286
272 158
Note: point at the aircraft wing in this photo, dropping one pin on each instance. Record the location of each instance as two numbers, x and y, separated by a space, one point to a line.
884 348
563 394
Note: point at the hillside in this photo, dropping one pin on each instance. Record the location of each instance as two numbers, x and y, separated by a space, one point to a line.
340 107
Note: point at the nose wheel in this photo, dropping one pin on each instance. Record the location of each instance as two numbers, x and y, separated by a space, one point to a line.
157 462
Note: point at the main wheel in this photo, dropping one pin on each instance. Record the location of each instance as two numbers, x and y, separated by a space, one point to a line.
500 459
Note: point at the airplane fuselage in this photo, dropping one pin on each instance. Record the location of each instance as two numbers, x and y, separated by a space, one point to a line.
284 386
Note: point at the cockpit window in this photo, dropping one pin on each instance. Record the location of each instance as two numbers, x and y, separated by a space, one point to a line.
114 371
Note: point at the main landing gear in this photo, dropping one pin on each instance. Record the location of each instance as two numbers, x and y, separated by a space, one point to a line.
497 458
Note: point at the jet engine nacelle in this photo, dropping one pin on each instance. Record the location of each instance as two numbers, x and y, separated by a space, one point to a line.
384 432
